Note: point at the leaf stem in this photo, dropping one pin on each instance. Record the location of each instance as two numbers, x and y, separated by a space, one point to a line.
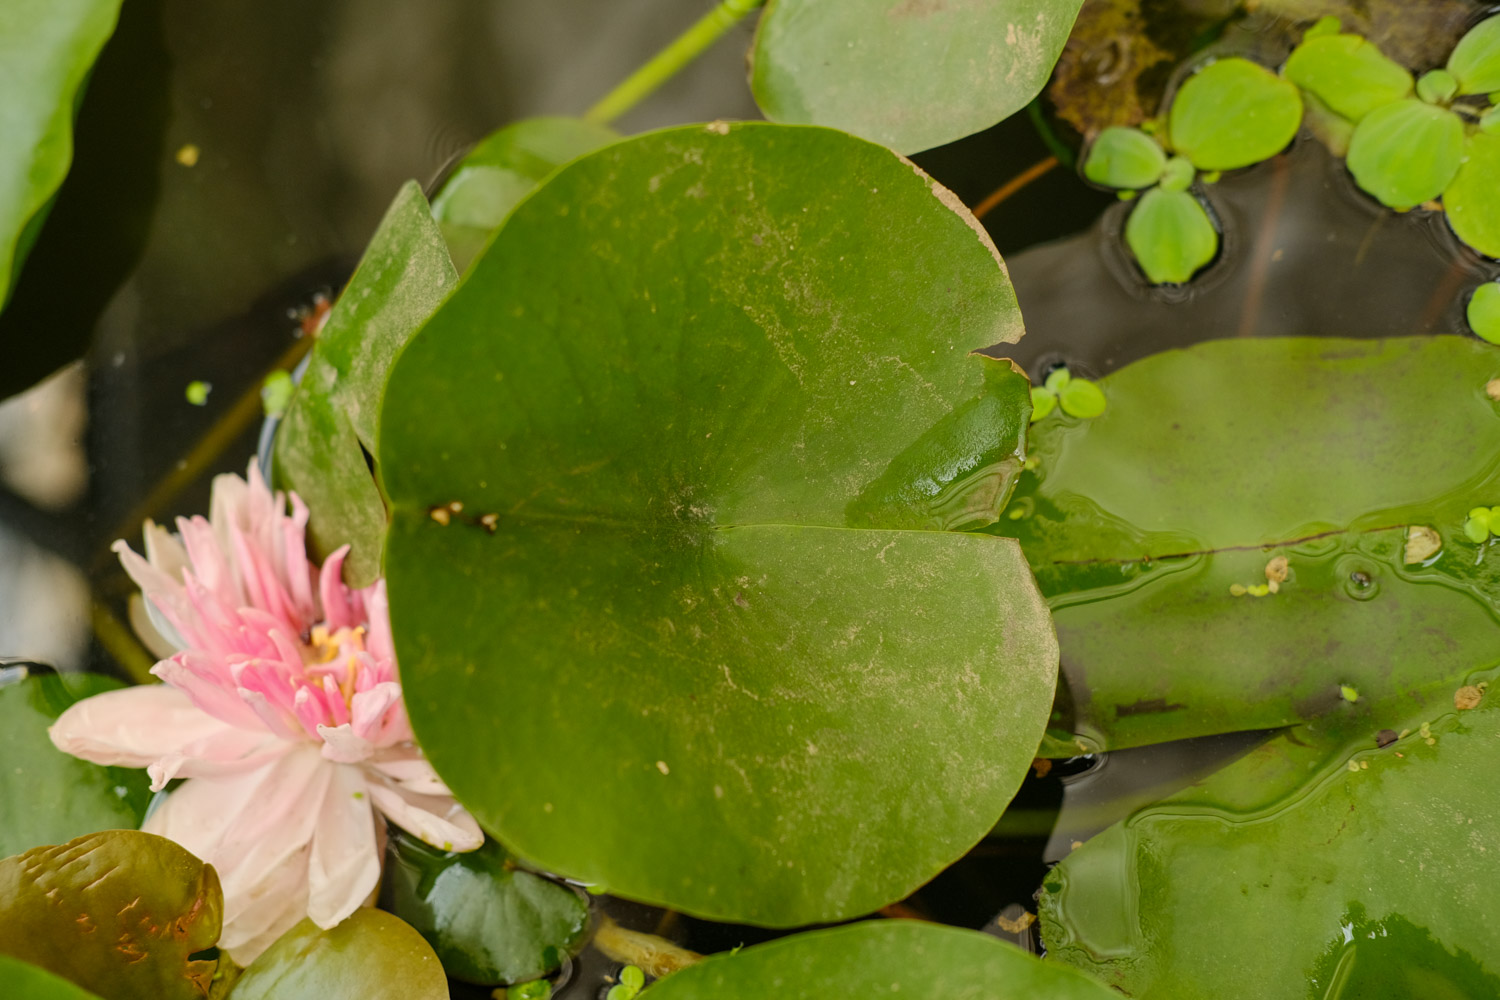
666 63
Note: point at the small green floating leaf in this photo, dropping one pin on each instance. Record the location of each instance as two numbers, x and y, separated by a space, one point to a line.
537 989
1043 402
76 909
330 422
1348 693
489 922
47 796
1406 153
1484 311
895 958
24 981
371 955
1472 201
1347 73
1124 158
1437 87
735 533
1233 113
1476 59
632 978
197 392
503 168
909 74
1326 25
1171 236
1081 398
1178 175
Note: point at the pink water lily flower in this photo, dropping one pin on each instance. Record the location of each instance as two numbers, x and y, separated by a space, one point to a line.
283 710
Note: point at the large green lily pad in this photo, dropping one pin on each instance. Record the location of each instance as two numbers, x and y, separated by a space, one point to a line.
674 586
489 921
503 168
1210 464
371 955
330 423
912 74
1369 877
24 981
47 796
121 913
914 961
47 48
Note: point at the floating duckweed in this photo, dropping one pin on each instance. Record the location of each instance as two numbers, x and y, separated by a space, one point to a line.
1258 590
1475 61
1481 523
631 981
1043 402
1353 765
276 393
1124 158
537 989
1349 693
1437 87
1237 589
197 392
1078 397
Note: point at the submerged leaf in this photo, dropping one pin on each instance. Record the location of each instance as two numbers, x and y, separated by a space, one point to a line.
47 48
1171 236
910 74
1476 59
1124 158
1233 113
47 796
330 423
1406 153
1366 872
503 168
1472 201
489 922
915 961
1200 476
121 913
703 417
371 955
1348 74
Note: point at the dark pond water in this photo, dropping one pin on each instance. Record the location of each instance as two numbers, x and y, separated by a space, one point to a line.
307 117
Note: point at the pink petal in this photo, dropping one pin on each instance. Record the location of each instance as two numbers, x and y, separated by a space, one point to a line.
344 865
336 610
200 679
134 726
368 709
437 819
251 827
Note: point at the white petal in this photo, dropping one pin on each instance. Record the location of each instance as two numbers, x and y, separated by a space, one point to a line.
437 819
231 751
134 726
408 768
345 862
342 745
252 828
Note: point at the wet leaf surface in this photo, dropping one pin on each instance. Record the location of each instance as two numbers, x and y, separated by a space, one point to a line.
47 796
1152 529
371 955
502 169
885 958
489 922
1362 866
910 74
1476 59
331 421
47 48
694 494
120 913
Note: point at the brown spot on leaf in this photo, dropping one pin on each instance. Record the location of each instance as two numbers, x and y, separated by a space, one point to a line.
1422 543
1385 738
1467 697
